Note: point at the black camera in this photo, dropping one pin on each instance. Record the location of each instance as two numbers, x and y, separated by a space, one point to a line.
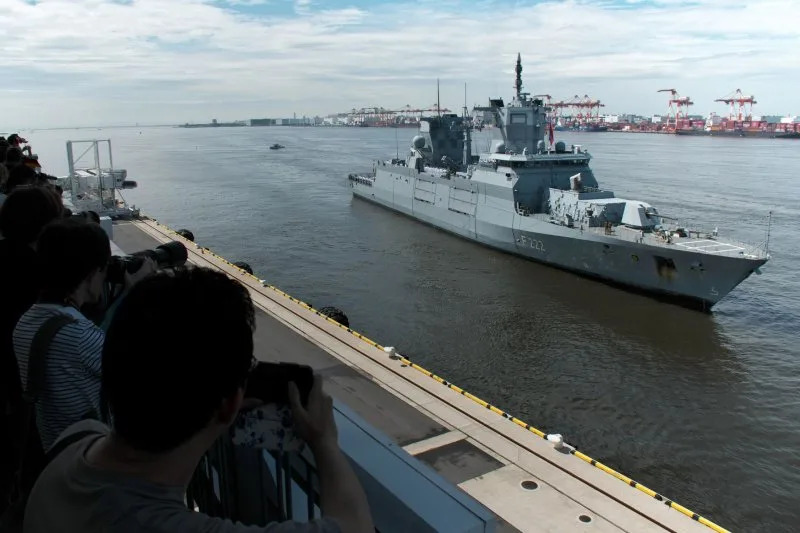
169 255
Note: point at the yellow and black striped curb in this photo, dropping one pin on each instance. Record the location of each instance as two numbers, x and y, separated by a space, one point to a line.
572 450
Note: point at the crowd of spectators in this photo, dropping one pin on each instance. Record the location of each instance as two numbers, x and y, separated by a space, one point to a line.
122 418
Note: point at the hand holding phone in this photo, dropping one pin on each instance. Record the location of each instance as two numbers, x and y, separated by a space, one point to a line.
269 382
271 425
313 421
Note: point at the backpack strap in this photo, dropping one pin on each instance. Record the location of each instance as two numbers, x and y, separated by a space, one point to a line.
38 355
37 359
30 453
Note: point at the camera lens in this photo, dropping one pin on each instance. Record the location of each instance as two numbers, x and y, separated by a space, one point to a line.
170 255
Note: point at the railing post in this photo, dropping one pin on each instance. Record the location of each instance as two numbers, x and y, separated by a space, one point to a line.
310 492
287 483
279 484
253 486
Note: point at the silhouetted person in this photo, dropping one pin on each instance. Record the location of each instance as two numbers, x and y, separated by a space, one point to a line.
171 395
75 254
20 176
3 180
22 217
14 157
16 141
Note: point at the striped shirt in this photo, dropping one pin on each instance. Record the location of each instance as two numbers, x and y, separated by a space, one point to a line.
71 386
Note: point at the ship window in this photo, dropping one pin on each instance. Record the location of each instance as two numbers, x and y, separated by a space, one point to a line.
518 118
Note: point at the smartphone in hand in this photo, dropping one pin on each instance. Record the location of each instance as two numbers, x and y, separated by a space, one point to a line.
269 382
271 426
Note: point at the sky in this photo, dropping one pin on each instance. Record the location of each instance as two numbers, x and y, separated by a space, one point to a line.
102 62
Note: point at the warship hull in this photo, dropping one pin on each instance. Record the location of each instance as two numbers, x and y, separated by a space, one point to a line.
465 209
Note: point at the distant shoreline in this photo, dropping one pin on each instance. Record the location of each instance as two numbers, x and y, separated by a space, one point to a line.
95 127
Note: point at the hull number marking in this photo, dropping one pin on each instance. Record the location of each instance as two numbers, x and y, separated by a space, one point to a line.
536 244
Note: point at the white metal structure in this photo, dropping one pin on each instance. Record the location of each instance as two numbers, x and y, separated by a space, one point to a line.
93 183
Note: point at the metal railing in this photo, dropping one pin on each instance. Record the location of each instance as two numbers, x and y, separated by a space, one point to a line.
257 487
754 250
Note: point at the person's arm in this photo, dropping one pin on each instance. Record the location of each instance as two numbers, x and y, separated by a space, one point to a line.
148 267
342 497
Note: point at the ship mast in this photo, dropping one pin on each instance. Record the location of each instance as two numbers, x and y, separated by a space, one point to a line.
518 82
467 156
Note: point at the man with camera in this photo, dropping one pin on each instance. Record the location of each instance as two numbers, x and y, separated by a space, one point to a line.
73 255
176 363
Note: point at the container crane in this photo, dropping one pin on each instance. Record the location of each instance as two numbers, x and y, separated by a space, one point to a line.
678 107
561 105
737 99
582 110
592 107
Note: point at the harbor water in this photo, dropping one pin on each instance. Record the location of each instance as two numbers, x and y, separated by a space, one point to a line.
703 408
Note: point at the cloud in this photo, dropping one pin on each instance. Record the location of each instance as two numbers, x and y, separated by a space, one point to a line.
243 2
179 60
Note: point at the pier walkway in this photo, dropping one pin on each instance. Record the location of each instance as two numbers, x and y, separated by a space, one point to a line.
395 418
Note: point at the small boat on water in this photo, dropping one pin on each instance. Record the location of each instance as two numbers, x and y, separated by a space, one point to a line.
276 146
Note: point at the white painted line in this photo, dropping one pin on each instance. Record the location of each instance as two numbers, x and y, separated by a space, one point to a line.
422 446
721 247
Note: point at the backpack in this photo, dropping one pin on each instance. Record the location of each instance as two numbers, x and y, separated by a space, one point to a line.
30 457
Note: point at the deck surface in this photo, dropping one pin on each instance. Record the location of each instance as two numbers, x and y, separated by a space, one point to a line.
484 454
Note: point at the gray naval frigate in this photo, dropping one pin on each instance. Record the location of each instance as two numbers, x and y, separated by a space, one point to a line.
541 201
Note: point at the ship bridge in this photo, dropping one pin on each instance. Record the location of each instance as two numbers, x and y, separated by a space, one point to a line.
532 177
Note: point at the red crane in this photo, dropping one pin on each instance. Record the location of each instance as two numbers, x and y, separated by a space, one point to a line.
593 107
737 99
582 109
678 107
560 105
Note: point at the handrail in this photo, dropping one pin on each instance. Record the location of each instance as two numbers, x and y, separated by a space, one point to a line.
256 486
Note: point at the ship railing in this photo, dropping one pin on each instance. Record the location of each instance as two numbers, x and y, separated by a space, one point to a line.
257 487
369 181
701 241
437 171
755 249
